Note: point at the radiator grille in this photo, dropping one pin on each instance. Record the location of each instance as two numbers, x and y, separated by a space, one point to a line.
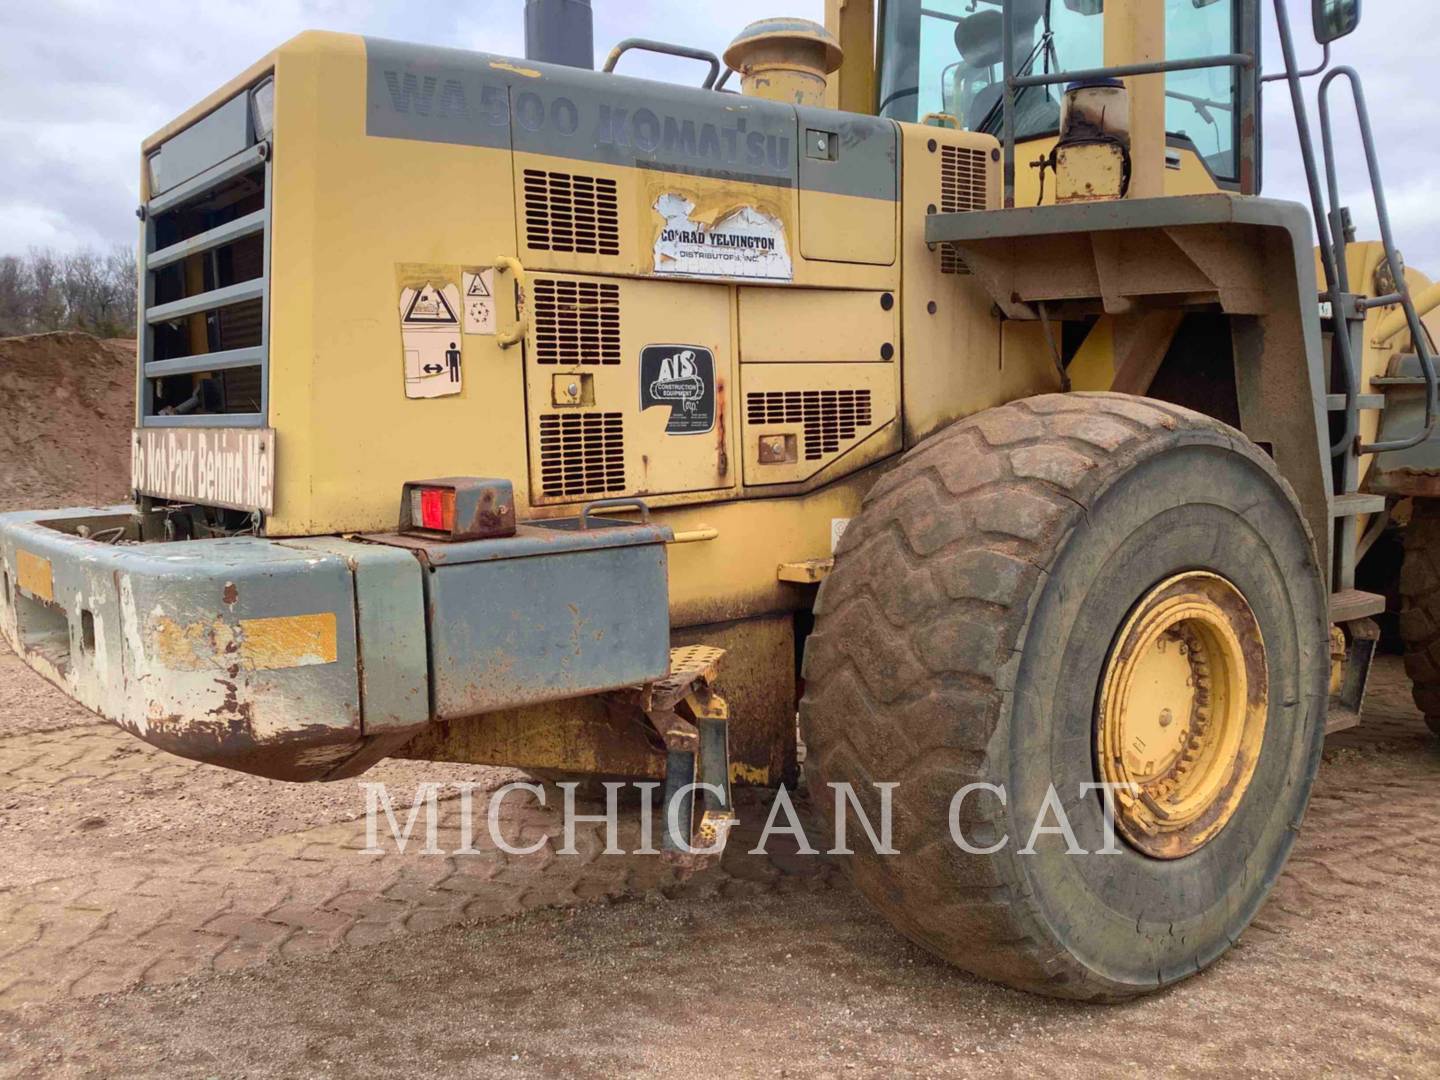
206 249
569 212
581 453
831 417
962 188
576 322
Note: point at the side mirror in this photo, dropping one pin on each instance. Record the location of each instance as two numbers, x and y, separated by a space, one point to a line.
1334 19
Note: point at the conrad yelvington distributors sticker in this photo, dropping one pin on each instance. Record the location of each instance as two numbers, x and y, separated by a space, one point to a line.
744 243
682 377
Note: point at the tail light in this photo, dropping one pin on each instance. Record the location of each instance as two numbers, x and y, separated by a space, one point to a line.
433 508
458 508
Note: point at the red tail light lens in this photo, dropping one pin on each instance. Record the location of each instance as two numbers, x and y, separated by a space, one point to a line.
454 508
433 508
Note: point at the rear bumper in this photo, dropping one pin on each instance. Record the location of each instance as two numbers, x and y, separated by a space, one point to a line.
296 660
310 659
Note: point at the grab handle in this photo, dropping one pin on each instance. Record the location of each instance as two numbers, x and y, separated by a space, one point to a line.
612 504
516 334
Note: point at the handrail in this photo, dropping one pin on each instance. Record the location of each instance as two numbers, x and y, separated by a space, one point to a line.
685 52
1125 71
1308 74
1322 222
1402 289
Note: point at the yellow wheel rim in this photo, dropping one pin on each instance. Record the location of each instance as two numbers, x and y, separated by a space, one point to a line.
1181 714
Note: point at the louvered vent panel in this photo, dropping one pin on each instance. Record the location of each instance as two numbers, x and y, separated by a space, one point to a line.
582 453
962 188
576 322
831 417
570 212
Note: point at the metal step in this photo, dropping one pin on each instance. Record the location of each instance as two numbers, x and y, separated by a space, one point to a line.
809 572
1354 604
1340 719
1356 503
690 666
1336 402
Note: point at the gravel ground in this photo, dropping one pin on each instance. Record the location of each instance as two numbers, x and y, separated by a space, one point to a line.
763 968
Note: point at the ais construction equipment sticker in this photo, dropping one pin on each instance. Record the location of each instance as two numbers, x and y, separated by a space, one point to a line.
681 377
743 243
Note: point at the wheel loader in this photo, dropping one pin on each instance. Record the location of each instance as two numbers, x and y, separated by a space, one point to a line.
938 374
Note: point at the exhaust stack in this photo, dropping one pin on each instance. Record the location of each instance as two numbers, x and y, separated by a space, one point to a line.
560 32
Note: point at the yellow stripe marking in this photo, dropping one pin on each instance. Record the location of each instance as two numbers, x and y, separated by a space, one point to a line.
35 575
288 641
273 644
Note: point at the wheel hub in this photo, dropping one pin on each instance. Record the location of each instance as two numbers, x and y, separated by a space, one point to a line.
1181 713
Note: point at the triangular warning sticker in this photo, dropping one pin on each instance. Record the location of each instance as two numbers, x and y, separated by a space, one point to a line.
477 286
430 306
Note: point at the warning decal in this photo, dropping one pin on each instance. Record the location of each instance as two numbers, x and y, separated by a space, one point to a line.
429 305
479 290
430 334
683 378
743 243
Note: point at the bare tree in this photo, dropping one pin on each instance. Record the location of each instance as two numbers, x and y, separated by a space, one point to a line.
122 271
82 290
47 304
14 296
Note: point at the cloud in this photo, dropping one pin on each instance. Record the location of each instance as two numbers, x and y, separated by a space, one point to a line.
1396 70
84 81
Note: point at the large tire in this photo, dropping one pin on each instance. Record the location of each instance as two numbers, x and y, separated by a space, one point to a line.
961 636
1420 608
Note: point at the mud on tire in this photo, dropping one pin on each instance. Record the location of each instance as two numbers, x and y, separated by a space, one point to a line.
960 639
1420 608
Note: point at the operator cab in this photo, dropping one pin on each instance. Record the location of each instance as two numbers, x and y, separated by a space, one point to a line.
943 60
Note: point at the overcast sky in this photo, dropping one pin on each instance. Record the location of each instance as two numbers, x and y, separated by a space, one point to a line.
83 81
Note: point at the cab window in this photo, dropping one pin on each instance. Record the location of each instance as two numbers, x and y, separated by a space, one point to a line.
945 56
1201 105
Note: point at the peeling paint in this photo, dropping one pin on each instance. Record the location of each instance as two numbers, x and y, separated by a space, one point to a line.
273 644
514 69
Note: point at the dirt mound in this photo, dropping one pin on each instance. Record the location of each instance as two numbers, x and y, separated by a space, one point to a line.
67 403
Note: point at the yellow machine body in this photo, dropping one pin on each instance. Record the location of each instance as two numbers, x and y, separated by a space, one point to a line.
869 340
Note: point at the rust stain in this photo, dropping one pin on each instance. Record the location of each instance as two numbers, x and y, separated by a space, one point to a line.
231 594
722 452
492 516
188 647
309 752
